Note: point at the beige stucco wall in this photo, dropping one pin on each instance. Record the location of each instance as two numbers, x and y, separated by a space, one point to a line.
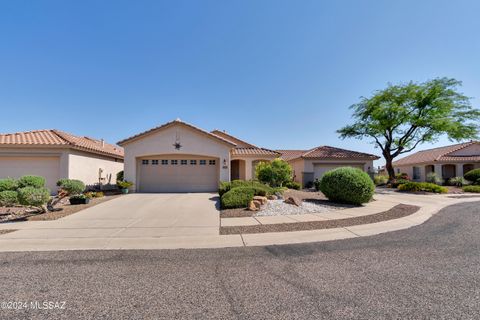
161 142
85 167
249 163
438 169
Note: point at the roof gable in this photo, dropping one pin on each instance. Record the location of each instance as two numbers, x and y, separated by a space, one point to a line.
240 143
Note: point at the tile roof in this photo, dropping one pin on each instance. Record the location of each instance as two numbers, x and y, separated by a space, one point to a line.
240 143
253 152
59 138
439 154
168 124
326 152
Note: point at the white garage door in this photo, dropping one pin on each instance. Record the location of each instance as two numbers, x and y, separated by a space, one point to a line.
320 169
180 174
47 167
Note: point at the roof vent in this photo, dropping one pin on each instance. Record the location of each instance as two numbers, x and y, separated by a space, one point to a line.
103 143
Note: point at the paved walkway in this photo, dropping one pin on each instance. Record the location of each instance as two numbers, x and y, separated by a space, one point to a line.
166 222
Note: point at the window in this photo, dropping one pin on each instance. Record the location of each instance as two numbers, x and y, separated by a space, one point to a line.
144 161
193 162
416 173
203 162
155 162
398 170
174 162
183 162
164 162
211 162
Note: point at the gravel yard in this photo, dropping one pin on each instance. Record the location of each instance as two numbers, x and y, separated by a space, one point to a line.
279 207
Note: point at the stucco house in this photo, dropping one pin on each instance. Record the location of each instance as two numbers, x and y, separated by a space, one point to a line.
55 154
447 162
180 157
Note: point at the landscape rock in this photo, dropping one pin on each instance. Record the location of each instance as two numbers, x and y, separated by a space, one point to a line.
252 206
263 200
257 204
294 201
272 197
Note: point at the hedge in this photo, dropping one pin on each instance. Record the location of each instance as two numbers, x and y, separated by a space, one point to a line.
475 189
8 184
36 197
8 198
224 187
473 175
260 188
347 185
293 185
31 181
422 186
237 197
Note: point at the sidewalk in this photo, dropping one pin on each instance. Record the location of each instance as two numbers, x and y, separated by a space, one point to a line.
430 204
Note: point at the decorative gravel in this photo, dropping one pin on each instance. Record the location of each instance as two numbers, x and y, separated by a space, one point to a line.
279 207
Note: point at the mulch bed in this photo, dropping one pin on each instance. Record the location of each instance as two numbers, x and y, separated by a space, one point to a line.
399 211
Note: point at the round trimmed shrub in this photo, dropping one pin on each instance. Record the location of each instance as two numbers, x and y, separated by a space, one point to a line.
293 185
224 187
347 185
36 197
31 181
8 184
71 186
237 197
473 175
8 198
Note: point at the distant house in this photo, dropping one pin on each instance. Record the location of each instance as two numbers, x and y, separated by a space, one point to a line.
54 154
447 162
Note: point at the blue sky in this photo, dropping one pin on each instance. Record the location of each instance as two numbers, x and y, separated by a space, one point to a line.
280 74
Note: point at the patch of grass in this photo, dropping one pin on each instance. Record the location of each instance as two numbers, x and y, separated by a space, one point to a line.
474 189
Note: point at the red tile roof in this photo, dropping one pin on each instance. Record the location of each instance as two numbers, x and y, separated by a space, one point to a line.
326 152
60 138
240 143
168 124
439 154
254 152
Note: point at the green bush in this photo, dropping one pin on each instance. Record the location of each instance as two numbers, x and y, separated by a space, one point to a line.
397 182
380 180
347 185
224 187
8 198
317 183
403 176
120 176
475 189
71 186
8 184
31 181
275 173
30 196
432 177
473 175
237 197
260 188
293 185
422 186
124 184
457 181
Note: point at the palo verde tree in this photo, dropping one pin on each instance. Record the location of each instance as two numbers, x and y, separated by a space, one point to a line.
401 117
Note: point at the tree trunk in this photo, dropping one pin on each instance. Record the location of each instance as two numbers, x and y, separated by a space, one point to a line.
389 168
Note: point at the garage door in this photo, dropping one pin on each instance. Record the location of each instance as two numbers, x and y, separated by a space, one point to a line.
47 167
180 174
320 169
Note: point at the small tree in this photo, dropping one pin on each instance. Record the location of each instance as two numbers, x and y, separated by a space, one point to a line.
275 173
401 117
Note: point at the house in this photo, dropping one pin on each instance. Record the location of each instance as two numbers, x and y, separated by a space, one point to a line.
447 162
309 165
180 157
55 154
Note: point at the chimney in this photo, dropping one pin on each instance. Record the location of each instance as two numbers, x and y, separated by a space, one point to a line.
103 143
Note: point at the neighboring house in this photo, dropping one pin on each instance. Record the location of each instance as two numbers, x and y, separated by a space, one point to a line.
312 164
179 157
447 162
54 154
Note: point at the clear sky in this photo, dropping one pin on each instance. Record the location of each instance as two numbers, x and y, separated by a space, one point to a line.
280 74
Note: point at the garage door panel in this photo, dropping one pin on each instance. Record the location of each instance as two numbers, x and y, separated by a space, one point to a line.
178 178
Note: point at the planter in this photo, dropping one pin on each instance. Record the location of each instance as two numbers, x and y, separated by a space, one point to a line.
124 191
79 201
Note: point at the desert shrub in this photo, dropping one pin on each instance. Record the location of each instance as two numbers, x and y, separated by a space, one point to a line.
475 189
8 198
397 182
347 185
422 186
293 185
237 197
224 187
260 188
432 177
120 176
99 194
71 186
317 183
473 175
124 184
275 173
380 179
8 184
403 176
458 181
31 181
36 197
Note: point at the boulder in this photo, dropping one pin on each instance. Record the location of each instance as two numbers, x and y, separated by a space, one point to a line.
293 200
262 200
272 197
252 206
257 204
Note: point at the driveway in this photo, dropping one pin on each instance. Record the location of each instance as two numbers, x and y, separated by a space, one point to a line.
430 271
132 216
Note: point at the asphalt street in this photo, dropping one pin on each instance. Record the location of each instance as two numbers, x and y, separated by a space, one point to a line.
429 271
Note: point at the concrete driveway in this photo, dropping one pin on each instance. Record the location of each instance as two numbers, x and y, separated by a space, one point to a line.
132 216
